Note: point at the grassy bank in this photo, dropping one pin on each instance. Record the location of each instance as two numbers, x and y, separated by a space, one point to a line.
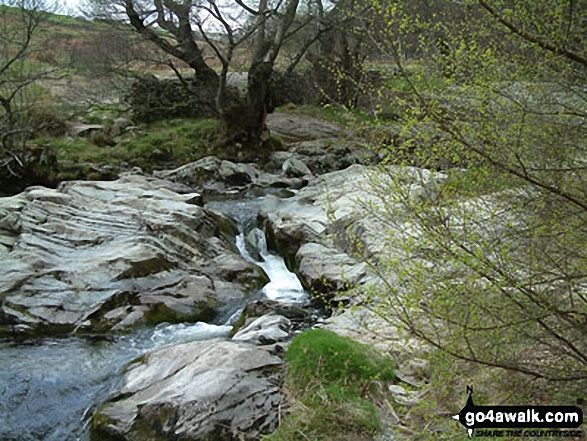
333 384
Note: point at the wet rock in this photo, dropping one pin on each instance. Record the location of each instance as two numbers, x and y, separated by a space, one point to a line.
87 249
205 390
297 316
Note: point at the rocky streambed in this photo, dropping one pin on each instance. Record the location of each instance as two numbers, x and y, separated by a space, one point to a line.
88 266
159 307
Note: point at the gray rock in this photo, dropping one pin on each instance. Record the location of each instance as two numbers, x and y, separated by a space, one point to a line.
299 127
414 371
266 330
333 154
325 270
294 168
338 211
85 130
88 249
206 390
404 397
119 126
213 175
297 316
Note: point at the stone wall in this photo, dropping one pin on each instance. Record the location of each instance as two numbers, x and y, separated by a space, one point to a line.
152 99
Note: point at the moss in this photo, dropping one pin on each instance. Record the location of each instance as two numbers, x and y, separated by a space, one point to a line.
328 377
100 426
335 360
170 143
238 324
161 313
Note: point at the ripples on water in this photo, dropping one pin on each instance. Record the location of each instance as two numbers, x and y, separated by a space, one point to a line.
49 388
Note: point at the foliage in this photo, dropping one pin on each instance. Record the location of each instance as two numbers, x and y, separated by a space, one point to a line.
329 378
491 266
187 32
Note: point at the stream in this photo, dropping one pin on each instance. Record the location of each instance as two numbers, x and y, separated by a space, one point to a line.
50 387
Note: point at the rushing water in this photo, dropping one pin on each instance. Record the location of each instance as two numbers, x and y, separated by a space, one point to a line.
283 286
49 388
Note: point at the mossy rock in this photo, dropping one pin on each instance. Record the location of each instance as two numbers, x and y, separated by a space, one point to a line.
330 376
161 313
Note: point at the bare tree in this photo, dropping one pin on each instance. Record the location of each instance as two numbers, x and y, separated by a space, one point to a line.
20 71
186 30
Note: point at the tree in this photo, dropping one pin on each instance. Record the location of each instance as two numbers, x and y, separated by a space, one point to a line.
494 268
188 30
21 71
340 52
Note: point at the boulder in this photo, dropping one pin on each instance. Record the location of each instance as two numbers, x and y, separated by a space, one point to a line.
77 130
332 154
74 255
266 330
294 168
297 317
119 126
204 390
212 175
300 127
325 270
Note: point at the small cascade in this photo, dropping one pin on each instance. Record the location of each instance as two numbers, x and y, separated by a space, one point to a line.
51 387
283 285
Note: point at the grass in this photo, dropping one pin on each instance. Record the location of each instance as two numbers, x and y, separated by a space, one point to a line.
332 381
180 140
174 142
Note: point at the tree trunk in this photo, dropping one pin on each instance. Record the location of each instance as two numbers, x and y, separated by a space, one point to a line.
260 100
244 118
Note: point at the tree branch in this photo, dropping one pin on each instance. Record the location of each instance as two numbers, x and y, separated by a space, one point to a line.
550 47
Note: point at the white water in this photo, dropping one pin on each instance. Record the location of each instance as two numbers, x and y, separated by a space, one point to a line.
283 285
50 388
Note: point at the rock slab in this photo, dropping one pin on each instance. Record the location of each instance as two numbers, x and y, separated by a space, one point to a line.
108 255
206 390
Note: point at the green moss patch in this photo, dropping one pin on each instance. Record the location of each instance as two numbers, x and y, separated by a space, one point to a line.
332 382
